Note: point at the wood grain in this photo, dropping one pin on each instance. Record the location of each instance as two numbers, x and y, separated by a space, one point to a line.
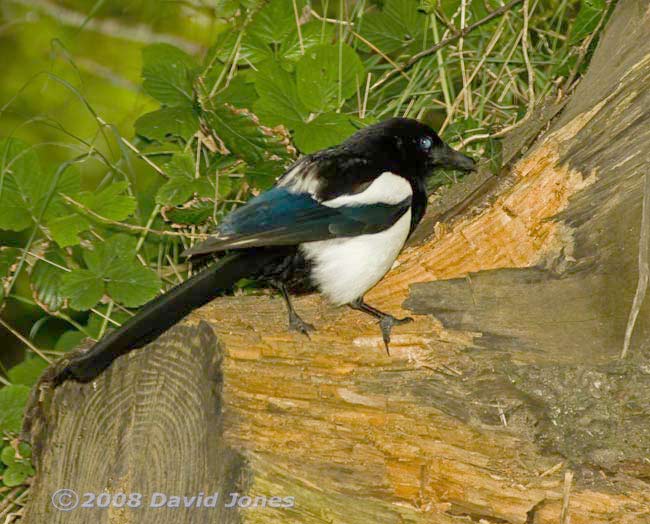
150 425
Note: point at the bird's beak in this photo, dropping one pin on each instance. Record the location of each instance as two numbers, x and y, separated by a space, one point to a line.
446 156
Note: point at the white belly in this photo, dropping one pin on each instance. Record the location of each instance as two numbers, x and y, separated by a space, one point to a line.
345 268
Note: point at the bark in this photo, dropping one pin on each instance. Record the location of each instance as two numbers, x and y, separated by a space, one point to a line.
505 401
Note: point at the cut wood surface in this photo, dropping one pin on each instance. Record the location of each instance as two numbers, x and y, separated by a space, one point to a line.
504 401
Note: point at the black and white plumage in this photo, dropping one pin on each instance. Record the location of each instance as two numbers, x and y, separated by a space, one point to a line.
334 222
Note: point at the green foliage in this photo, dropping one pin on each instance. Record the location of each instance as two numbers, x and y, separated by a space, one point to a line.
28 371
112 269
8 257
191 213
95 214
30 194
18 466
183 183
242 135
303 101
12 403
272 23
168 123
168 75
278 101
586 20
109 203
327 75
46 280
397 26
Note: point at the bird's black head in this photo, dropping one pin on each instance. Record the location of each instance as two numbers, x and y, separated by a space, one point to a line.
408 147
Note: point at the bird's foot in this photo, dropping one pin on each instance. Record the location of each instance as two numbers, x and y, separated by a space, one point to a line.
386 323
298 324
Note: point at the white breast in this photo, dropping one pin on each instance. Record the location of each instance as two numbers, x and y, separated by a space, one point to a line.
345 268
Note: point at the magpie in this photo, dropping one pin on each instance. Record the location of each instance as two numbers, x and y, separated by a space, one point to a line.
334 222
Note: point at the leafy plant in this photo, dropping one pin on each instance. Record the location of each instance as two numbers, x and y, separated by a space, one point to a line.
17 464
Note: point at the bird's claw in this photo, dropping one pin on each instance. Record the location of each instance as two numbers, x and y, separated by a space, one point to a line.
386 324
298 324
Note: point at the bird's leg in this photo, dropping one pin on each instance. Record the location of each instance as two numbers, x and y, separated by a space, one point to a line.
295 322
386 321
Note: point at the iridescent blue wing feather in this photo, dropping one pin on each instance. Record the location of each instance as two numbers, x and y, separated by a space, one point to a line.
281 217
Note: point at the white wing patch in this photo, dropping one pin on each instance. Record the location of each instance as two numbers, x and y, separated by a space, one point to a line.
303 178
387 188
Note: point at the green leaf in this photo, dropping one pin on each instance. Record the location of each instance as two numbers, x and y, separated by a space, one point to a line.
181 165
326 130
168 123
110 202
174 192
183 183
168 74
327 75
68 183
46 281
314 33
279 102
112 269
262 175
83 287
69 340
27 372
20 179
398 25
193 212
179 188
18 157
459 128
8 259
449 7
15 475
26 191
8 456
132 284
240 93
427 6
275 20
15 216
12 405
25 450
242 134
65 230
586 20
106 254
252 50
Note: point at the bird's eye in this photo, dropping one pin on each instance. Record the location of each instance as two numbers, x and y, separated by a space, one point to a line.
425 143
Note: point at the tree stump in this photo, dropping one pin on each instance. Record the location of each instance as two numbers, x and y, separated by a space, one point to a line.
507 400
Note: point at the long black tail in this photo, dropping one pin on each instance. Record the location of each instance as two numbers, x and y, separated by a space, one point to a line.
163 312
